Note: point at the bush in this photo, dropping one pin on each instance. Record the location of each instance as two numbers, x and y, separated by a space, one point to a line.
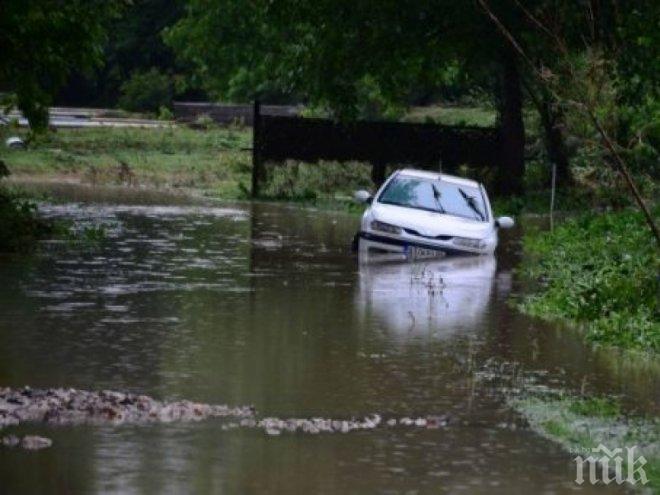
20 227
599 271
311 181
164 113
146 91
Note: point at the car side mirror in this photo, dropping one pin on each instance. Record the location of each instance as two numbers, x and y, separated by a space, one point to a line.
362 196
504 222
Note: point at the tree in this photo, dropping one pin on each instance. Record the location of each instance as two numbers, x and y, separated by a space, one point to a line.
587 82
42 42
134 47
146 91
329 51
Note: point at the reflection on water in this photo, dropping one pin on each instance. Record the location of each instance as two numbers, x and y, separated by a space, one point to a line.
264 304
437 298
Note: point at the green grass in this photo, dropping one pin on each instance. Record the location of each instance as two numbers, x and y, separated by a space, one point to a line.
320 182
216 160
580 424
453 115
600 273
602 407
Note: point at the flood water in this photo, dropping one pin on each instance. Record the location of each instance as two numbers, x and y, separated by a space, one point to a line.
264 304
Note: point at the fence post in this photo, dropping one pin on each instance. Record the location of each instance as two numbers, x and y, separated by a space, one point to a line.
256 148
378 173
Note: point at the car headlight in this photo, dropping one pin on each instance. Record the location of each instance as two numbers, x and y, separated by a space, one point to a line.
469 243
385 227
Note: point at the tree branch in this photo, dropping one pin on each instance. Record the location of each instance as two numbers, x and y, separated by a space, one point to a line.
620 163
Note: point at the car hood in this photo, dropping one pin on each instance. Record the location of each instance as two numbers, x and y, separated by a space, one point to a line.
430 224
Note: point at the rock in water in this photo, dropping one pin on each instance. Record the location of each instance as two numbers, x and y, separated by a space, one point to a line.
29 442
11 441
59 406
34 442
71 406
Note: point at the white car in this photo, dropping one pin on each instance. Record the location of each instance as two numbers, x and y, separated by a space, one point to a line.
420 214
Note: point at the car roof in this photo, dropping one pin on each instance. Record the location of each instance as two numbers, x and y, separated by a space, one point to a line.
425 174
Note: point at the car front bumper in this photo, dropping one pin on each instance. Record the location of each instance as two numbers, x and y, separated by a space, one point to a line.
369 241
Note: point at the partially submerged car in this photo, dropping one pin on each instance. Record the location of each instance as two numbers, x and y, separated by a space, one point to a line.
421 214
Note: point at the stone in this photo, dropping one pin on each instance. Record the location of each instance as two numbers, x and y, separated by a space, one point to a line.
11 441
71 406
34 442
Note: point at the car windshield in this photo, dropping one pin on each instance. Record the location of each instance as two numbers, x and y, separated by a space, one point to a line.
435 195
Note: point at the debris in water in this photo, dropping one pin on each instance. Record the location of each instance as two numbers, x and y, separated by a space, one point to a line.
29 442
72 406
33 442
11 441
59 406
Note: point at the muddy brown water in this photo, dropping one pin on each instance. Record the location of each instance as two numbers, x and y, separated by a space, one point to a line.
264 304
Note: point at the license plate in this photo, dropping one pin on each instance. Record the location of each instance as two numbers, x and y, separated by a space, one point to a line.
418 253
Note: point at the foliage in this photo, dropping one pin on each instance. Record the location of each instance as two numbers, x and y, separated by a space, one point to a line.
42 42
311 182
596 63
580 424
20 227
146 91
374 56
473 115
371 57
164 113
604 407
599 271
134 45
215 160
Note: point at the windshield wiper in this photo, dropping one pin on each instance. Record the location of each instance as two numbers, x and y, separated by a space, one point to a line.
437 195
472 203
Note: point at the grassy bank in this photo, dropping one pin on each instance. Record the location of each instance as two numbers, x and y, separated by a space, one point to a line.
217 160
598 272
581 424
576 419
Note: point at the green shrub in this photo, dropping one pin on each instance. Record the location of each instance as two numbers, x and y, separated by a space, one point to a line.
146 91
164 113
311 181
600 271
604 407
20 227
